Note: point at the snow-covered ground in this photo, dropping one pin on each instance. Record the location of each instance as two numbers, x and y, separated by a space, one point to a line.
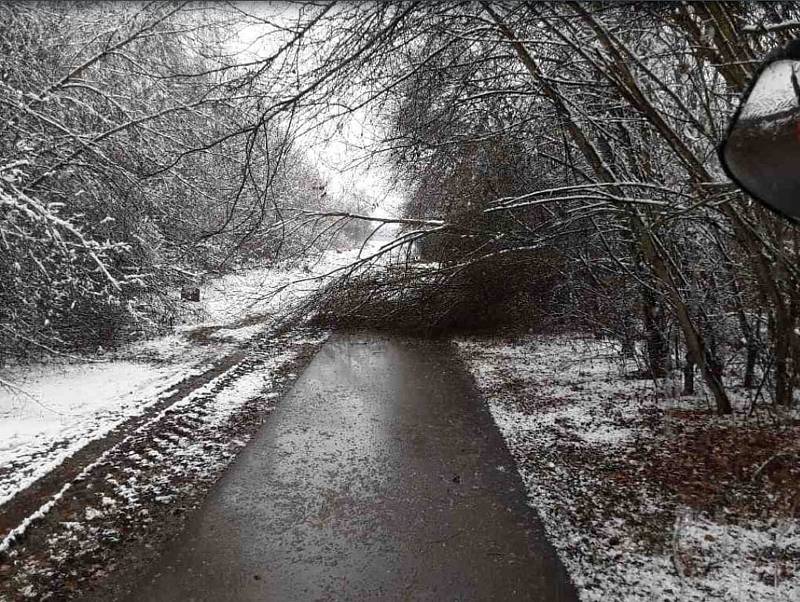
615 468
236 297
120 509
48 411
236 307
59 409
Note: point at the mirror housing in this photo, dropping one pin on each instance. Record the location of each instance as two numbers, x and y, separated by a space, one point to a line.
761 149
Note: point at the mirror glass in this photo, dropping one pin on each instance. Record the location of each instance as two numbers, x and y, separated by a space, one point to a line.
762 151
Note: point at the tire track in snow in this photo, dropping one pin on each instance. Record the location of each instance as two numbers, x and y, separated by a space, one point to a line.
74 470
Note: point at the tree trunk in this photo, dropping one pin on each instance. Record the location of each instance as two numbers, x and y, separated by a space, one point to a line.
710 366
750 367
688 375
752 358
655 336
783 386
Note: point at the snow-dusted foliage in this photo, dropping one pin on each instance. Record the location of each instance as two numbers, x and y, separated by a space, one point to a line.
129 164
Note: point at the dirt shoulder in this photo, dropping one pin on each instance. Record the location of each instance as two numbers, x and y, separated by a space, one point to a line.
120 502
646 495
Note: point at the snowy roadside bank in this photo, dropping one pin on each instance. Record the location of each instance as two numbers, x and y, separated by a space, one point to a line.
645 497
65 407
105 525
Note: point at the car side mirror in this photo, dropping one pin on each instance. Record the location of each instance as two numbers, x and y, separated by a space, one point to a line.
761 151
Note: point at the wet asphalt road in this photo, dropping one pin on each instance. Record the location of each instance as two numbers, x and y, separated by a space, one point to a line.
380 476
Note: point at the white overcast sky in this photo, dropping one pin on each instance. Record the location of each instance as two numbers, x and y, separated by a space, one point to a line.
338 148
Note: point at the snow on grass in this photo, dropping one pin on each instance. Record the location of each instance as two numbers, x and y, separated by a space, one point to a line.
584 439
235 297
236 308
222 397
578 385
241 334
161 469
57 409
92 513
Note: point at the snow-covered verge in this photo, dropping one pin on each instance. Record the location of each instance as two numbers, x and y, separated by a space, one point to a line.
239 296
113 518
58 409
645 496
236 307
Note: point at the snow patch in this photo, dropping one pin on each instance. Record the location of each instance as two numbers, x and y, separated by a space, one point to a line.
58 409
545 391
